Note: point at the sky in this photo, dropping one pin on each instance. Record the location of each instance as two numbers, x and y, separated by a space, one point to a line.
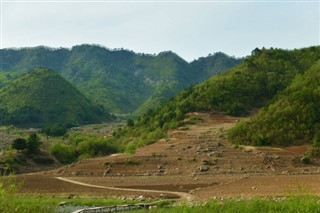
191 29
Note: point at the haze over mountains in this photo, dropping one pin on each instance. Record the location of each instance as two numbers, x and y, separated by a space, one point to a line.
120 80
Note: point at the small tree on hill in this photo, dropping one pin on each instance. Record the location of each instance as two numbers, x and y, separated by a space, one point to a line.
130 123
33 143
19 144
55 130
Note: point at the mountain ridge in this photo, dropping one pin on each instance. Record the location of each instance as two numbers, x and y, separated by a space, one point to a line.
120 80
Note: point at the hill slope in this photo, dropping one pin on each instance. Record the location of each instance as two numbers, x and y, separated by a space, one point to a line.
244 88
120 80
293 117
43 97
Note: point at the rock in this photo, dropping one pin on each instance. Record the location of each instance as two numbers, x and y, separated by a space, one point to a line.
160 166
63 203
193 174
204 168
141 198
210 149
75 173
106 172
160 171
205 162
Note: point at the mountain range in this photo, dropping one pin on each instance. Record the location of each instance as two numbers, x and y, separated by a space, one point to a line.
120 80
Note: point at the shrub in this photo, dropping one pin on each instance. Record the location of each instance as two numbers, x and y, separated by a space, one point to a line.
19 144
43 160
95 147
130 123
131 148
63 152
305 159
33 143
55 130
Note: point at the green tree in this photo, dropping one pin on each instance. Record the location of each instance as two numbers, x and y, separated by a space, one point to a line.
130 122
19 144
55 130
33 143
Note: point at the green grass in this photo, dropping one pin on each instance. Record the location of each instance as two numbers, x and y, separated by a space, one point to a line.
13 202
37 203
290 204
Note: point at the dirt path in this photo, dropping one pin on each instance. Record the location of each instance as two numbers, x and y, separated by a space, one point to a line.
183 196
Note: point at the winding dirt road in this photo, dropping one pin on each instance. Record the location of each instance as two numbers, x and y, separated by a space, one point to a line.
183 196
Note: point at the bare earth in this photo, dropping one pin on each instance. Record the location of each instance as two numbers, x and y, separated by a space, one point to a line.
195 163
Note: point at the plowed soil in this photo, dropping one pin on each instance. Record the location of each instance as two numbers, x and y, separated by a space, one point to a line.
195 159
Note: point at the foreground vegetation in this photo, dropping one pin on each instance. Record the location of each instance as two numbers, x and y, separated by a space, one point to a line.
11 201
305 204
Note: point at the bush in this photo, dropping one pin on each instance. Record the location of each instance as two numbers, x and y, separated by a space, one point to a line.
305 159
33 143
63 152
55 130
131 148
130 123
19 144
95 147
43 160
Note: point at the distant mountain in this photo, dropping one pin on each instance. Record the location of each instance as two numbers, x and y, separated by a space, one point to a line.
43 97
285 82
120 80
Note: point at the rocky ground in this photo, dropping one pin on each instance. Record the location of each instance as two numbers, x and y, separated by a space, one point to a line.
196 159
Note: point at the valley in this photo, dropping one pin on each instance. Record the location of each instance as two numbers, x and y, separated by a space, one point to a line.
195 159
250 132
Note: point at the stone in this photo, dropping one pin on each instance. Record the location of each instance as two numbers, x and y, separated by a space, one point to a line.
204 168
106 172
205 162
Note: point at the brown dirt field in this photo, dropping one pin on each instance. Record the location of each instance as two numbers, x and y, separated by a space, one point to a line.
174 164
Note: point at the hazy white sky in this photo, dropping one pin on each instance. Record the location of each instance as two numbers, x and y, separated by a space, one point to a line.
191 29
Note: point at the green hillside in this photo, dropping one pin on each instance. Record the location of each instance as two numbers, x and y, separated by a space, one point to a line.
43 97
120 80
293 117
254 83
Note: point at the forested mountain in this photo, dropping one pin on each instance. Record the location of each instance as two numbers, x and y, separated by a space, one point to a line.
278 79
43 97
120 80
293 117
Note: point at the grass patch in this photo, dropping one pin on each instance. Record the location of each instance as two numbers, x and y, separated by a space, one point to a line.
291 204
